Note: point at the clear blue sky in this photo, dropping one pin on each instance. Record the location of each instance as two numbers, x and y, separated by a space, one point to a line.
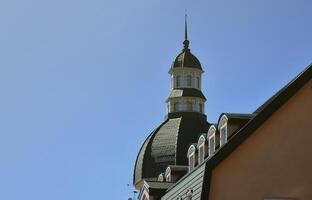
82 83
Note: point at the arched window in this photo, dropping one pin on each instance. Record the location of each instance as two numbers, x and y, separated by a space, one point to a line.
189 80
168 174
223 134
191 155
201 146
176 107
189 106
178 81
223 130
160 177
211 140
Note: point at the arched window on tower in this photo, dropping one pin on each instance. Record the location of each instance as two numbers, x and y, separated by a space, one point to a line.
189 106
189 80
178 81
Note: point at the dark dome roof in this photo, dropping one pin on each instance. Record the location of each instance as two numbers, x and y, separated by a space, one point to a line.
186 59
168 144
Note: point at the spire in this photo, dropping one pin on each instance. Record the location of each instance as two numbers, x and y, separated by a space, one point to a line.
186 42
185 27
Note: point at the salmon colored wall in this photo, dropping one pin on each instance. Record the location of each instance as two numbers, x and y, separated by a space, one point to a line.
275 161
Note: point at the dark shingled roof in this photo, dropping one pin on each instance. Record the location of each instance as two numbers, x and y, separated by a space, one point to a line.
186 92
168 144
186 59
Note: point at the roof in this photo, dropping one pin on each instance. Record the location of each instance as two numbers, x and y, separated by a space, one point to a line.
168 145
186 92
186 59
261 114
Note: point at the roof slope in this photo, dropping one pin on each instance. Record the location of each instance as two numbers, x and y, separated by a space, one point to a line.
186 92
167 145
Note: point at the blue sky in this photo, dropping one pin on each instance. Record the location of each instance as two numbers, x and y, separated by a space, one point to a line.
82 83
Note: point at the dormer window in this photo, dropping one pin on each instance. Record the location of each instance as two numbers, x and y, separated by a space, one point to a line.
189 80
223 134
212 144
160 177
211 140
168 174
223 129
191 162
201 146
191 157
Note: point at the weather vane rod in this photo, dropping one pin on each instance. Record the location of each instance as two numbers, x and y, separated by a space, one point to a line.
185 25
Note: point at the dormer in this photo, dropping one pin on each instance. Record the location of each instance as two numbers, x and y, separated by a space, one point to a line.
175 172
230 123
202 148
192 157
161 177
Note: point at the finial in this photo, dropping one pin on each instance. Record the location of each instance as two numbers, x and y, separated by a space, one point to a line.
186 42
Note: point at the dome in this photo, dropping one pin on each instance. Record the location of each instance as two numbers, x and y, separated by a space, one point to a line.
168 144
186 59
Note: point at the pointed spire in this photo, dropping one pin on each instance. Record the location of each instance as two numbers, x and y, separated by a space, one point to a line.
186 42
185 26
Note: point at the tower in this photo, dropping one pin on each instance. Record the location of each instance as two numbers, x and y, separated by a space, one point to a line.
185 84
184 123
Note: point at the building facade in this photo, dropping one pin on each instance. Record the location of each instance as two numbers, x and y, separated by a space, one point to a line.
261 155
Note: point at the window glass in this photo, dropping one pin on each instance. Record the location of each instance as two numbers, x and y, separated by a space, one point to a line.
201 107
197 82
168 179
191 162
223 135
176 106
189 80
189 106
201 153
178 81
211 145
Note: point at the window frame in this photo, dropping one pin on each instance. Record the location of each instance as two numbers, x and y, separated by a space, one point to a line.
189 80
176 107
178 81
212 147
201 147
189 106
197 82
168 174
223 135
191 157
